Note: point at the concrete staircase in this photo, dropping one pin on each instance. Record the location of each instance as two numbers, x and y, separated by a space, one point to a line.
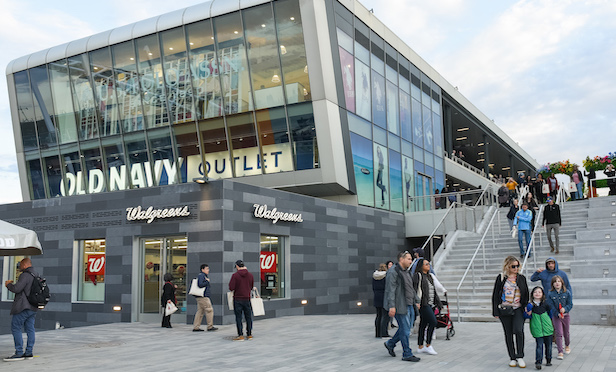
475 304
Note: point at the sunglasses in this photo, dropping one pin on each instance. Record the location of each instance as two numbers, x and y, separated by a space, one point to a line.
515 266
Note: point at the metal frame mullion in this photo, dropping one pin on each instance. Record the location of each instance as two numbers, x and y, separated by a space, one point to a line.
38 144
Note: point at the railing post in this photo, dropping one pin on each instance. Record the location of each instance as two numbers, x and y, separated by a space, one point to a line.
432 249
473 275
499 221
458 301
484 255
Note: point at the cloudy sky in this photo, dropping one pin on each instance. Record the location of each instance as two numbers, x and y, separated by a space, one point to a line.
542 69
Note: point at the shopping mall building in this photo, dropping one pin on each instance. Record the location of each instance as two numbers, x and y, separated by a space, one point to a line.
296 135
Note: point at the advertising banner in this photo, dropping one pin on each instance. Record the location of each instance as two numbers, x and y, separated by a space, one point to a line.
348 74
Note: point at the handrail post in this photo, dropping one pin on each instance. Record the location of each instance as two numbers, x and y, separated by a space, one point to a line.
499 221
458 301
473 275
484 255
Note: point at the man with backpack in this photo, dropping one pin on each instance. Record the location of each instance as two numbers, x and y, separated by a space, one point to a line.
22 311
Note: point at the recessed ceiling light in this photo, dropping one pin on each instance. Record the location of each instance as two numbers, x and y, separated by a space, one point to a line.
263 25
292 18
149 54
236 32
462 129
170 48
461 138
480 144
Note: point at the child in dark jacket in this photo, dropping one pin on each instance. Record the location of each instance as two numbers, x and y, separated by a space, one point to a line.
561 301
540 326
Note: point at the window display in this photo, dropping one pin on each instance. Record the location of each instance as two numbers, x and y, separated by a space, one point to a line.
271 261
92 259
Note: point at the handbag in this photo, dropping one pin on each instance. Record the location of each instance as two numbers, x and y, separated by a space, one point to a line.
170 308
572 187
230 300
514 231
545 189
195 290
504 310
256 302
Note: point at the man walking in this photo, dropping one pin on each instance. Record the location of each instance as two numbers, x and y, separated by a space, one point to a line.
546 275
22 311
522 220
242 282
551 215
400 299
204 304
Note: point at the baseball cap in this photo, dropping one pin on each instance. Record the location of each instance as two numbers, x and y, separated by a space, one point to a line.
239 263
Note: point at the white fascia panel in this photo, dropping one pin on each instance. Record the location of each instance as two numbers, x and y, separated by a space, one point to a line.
121 34
170 20
220 7
9 68
98 41
38 58
77 47
56 53
248 3
197 13
145 27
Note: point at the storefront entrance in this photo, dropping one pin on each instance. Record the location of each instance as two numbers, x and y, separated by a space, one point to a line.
160 255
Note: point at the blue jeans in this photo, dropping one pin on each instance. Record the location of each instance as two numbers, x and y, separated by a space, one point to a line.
25 319
405 322
239 307
541 341
580 190
521 242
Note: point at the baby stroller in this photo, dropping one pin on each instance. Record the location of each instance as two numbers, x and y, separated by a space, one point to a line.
443 319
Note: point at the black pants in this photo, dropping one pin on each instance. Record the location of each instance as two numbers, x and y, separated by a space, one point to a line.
166 319
428 320
239 307
381 322
514 325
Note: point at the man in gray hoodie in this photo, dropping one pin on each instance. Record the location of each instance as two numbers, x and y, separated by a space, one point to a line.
22 311
400 299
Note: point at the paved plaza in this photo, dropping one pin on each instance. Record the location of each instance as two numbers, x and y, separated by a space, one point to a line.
294 343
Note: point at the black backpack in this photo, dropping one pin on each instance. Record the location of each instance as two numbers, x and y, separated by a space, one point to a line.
39 292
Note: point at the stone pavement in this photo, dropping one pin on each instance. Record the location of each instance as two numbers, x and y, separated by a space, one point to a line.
294 343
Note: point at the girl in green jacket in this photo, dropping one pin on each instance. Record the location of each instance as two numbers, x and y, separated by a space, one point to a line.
540 325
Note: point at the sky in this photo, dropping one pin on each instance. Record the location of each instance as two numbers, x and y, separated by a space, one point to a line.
543 70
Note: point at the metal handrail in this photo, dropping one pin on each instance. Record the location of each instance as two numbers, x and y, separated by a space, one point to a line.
429 239
532 242
471 263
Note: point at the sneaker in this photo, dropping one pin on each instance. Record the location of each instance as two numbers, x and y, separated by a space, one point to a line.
212 329
250 337
28 356
567 350
430 350
390 350
13 358
421 350
412 358
513 363
521 363
538 365
560 356
549 363
197 330
238 338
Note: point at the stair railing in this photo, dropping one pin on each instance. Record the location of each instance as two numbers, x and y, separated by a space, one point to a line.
532 243
471 265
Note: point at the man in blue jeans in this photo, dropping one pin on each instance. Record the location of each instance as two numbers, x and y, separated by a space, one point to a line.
522 220
400 299
242 283
22 311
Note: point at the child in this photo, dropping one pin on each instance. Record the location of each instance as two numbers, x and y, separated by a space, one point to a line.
561 302
540 326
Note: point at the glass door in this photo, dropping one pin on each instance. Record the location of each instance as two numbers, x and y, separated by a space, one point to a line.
161 255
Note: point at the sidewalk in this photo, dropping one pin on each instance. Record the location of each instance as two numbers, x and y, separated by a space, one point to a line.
295 343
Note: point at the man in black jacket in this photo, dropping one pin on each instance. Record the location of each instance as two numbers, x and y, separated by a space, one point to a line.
551 215
22 311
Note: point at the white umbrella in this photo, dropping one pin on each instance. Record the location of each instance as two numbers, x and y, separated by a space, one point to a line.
17 241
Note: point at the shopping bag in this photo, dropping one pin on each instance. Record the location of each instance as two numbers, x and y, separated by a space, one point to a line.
256 302
545 188
195 290
230 300
572 187
170 308
514 231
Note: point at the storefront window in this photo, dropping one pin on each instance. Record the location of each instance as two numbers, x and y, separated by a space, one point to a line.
438 134
409 185
12 263
381 177
152 82
25 111
127 87
392 108
272 263
274 136
363 168
188 150
83 97
378 100
74 182
301 123
417 123
95 177
114 155
54 175
427 127
395 180
43 107
215 146
177 76
137 156
92 265
104 92
62 100
362 90
406 130
163 160
244 146
348 75
35 176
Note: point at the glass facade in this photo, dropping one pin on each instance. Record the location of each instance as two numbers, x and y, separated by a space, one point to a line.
391 106
222 97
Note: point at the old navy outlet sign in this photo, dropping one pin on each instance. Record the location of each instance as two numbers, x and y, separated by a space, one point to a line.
247 162
261 211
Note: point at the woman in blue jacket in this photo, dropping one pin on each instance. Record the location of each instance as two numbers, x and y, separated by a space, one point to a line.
561 301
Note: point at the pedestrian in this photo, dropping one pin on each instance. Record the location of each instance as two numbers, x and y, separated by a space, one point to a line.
168 296
538 310
539 183
437 199
551 270
511 214
553 183
242 283
508 296
592 183
511 185
561 300
391 318
578 179
611 182
22 311
503 196
401 299
443 200
378 287
532 207
429 301
522 220
204 304
552 222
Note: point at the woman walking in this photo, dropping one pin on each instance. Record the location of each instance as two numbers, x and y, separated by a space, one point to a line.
168 296
429 300
378 287
509 296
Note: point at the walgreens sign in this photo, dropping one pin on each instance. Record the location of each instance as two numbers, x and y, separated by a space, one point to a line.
269 261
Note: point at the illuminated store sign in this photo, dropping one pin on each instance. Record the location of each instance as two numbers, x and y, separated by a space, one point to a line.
261 211
150 214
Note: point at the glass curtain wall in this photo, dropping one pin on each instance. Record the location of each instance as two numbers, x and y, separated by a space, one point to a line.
83 97
127 87
152 81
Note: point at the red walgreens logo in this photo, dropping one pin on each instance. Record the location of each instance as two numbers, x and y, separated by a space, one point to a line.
96 264
269 261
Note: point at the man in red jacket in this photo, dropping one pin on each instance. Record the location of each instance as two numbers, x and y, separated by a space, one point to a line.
242 282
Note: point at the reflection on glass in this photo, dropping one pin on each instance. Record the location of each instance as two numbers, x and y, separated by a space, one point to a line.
73 182
263 56
232 64
177 76
127 86
294 64
409 185
362 90
165 167
217 157
392 108
205 70
363 168
140 170
54 175
301 123
417 122
272 272
406 129
395 181
94 175
102 75
438 134
188 151
43 107
274 136
378 100
151 79
244 146
91 284
35 178
83 97
25 110
427 127
114 155
348 76
62 100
